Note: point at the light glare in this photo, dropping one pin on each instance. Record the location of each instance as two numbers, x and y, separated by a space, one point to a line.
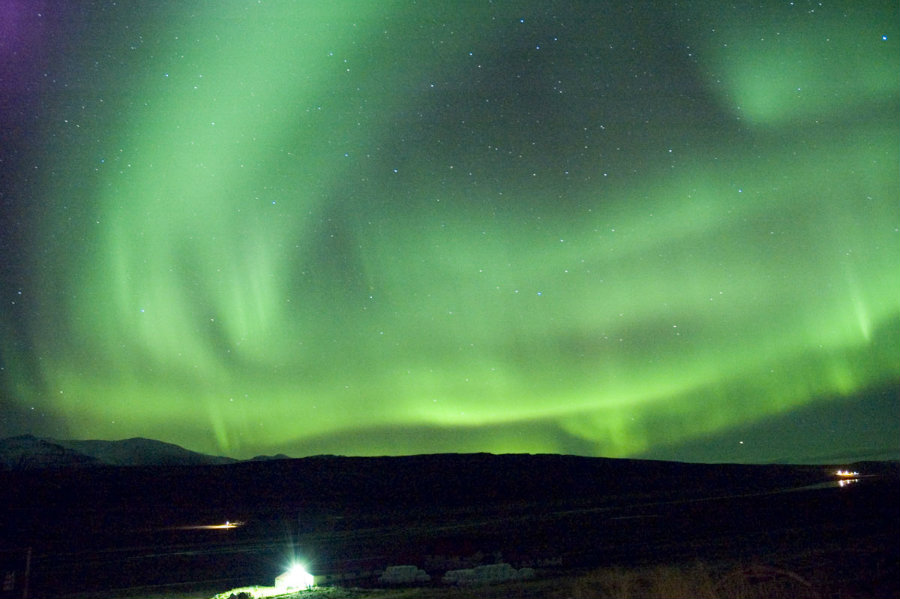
295 578
846 474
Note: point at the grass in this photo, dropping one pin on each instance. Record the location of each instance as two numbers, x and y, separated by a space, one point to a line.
698 581
836 573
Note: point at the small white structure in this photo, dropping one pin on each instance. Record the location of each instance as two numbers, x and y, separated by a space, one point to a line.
491 574
403 575
295 579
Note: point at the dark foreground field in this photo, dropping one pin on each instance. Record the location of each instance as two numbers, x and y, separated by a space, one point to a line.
587 527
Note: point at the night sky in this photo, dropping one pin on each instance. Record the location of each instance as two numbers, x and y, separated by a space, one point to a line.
648 229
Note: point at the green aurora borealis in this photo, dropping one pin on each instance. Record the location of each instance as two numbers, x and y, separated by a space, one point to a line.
389 228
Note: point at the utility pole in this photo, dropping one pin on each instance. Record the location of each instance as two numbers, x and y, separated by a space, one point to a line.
27 573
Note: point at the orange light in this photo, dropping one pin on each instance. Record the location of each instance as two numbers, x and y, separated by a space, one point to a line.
226 526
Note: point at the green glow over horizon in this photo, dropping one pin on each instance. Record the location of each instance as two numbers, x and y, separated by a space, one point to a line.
288 240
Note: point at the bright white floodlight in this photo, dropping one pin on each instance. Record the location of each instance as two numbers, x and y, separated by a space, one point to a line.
294 579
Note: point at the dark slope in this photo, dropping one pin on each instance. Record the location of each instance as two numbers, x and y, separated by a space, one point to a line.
142 452
27 452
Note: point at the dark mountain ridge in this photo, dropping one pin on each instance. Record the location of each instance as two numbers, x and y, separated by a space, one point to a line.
231 488
27 452
396 507
164 482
